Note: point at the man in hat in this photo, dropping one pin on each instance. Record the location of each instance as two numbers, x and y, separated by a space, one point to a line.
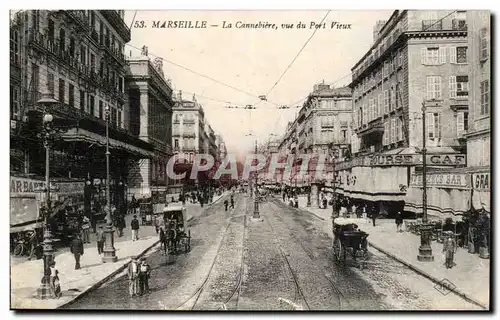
100 240
133 277
135 228
77 250
144 273
449 248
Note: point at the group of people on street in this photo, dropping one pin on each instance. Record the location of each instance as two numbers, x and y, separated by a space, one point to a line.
226 203
139 272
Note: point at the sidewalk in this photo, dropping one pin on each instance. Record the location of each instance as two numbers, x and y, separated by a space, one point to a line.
25 277
470 275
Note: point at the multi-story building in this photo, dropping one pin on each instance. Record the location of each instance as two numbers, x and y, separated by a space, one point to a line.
479 124
76 58
420 58
188 135
323 122
149 117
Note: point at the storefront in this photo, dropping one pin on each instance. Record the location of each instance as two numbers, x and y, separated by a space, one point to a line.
481 193
448 195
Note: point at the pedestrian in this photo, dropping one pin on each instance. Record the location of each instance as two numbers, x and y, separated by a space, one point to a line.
134 225
133 277
374 215
33 243
100 240
121 225
449 249
232 202
86 230
144 273
77 250
399 222
226 204
55 286
365 214
163 240
296 201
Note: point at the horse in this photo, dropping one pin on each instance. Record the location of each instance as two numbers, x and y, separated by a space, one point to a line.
170 239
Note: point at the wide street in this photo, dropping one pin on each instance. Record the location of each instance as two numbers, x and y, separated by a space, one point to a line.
280 263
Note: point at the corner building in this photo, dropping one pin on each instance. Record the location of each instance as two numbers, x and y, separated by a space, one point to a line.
418 58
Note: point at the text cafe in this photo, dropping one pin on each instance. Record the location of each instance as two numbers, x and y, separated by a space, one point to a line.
448 194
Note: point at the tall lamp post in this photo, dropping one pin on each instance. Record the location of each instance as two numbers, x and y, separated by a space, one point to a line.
43 291
334 198
425 249
109 241
256 214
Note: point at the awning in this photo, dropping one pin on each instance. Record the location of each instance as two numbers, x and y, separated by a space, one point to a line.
441 202
28 227
78 134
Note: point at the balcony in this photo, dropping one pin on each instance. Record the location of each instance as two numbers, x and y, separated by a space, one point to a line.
80 18
15 71
432 25
189 134
176 133
188 121
117 23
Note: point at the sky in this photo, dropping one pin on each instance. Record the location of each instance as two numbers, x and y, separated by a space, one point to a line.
252 61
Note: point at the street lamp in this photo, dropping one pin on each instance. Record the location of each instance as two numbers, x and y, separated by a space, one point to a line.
43 291
425 249
256 214
109 248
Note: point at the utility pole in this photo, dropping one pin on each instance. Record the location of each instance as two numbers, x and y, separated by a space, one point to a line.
425 249
256 214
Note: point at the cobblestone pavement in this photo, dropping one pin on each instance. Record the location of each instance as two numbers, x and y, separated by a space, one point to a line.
237 263
174 280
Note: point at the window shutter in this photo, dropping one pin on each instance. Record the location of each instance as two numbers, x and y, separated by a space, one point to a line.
453 86
380 106
423 55
386 133
393 130
438 126
442 55
386 101
400 126
453 55
430 126
438 87
460 123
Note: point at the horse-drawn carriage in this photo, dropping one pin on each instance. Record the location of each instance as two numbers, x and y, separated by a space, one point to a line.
347 238
176 232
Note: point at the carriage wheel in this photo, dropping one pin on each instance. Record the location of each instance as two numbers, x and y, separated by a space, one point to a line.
339 251
189 240
19 249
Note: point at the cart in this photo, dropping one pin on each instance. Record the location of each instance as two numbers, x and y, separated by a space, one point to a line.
146 213
349 241
176 217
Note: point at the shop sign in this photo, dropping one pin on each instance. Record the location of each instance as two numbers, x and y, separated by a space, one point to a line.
481 181
392 160
446 159
71 187
452 180
23 185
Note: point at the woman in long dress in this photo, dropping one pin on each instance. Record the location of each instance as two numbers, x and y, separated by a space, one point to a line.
54 281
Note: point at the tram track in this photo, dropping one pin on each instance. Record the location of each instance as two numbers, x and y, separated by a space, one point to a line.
201 288
309 253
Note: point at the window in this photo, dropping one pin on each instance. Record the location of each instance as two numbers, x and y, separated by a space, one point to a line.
392 99
433 87
83 55
393 130
375 108
485 97
462 123
343 134
92 62
385 138
82 100
92 19
101 33
101 110
399 129
400 58
430 56
91 105
120 84
50 84
386 101
51 34
72 47
176 143
461 54
71 95
62 39
14 47
14 103
433 126
119 122
365 114
484 43
397 103
380 105
61 90
113 116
